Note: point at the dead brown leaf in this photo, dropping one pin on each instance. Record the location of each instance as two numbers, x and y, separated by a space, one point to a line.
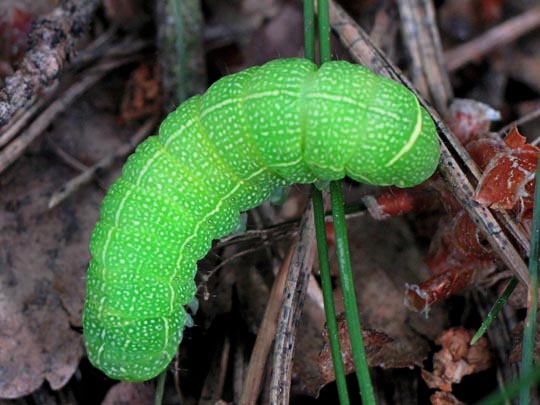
457 358
44 254
125 393
41 261
142 95
384 257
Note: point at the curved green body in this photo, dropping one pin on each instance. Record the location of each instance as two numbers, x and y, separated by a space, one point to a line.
222 153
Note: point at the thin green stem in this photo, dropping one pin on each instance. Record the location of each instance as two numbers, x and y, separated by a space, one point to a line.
324 30
342 244
529 332
328 297
494 311
320 230
309 30
180 50
160 387
349 295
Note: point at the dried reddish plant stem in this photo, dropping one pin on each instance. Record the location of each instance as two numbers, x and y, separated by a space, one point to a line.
51 44
493 39
265 337
420 297
481 216
398 201
458 246
507 183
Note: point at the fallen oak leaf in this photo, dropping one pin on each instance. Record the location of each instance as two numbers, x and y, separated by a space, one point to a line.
505 181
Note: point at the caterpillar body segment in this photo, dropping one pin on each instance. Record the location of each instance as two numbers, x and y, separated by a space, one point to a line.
220 154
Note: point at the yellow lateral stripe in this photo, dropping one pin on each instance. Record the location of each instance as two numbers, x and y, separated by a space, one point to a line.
413 138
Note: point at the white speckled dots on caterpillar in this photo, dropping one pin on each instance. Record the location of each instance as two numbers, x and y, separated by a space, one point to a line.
222 153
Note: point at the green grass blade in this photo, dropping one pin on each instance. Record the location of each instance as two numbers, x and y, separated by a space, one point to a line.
342 244
324 30
529 332
309 30
320 230
160 387
328 297
349 295
526 381
494 311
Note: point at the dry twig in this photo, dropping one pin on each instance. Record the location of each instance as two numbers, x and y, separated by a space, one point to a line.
267 332
68 159
520 121
493 39
85 177
19 122
291 309
16 148
422 39
51 43
101 48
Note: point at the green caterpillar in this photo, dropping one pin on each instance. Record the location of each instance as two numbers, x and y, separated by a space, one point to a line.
222 153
